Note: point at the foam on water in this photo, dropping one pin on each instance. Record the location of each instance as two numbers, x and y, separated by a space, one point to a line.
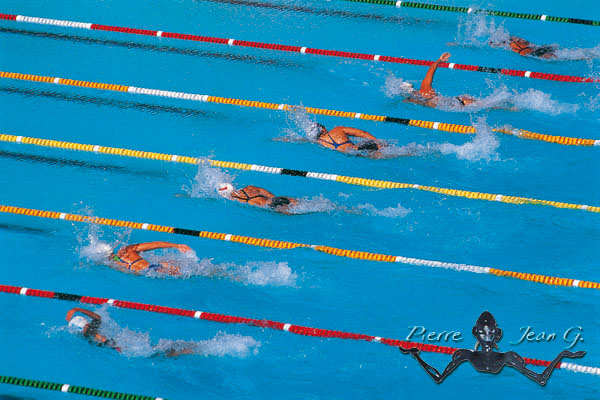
313 205
483 146
388 212
138 344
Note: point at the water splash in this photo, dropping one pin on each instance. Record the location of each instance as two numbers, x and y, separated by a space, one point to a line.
313 204
207 180
138 344
388 212
395 86
301 126
577 53
479 31
482 147
512 100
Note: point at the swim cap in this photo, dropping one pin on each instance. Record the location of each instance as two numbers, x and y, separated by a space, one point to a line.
407 86
78 323
225 189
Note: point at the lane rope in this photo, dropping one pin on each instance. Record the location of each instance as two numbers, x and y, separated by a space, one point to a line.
469 10
282 244
264 323
441 126
97 149
66 388
294 49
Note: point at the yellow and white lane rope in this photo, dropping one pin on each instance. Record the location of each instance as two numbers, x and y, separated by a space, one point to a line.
441 126
375 183
282 244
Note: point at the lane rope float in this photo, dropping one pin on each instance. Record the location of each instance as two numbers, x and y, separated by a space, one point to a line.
282 244
441 126
66 388
264 323
375 183
295 49
469 10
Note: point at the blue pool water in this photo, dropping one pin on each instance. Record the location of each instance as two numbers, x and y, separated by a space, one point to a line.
296 286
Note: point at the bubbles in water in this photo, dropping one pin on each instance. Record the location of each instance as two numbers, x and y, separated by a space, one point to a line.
207 180
482 147
389 212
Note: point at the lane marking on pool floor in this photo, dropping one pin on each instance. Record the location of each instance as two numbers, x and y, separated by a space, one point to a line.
375 183
441 126
265 323
66 388
293 48
470 10
282 244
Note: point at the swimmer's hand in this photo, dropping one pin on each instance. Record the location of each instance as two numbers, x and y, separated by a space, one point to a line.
413 350
184 248
444 57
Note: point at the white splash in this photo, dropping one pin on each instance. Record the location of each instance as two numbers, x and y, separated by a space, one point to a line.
207 180
138 344
396 86
313 205
480 31
259 273
388 212
503 98
301 126
578 53
482 147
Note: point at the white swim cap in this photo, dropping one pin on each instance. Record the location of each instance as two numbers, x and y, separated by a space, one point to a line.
407 86
225 189
78 323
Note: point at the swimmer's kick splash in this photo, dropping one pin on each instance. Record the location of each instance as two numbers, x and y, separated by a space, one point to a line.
487 360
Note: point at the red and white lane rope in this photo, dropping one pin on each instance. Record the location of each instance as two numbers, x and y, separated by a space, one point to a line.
293 49
264 323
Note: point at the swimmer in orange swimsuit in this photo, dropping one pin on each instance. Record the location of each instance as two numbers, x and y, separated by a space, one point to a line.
426 95
128 258
257 196
526 48
337 139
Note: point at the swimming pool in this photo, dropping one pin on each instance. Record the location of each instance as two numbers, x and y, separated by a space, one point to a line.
297 286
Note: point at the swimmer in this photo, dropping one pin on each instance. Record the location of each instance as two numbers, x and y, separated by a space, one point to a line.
257 196
337 139
128 258
426 95
526 48
89 324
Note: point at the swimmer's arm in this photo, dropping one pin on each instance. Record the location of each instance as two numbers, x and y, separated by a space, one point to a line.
428 80
158 245
357 133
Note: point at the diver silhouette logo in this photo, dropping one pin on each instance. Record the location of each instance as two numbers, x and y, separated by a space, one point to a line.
488 334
